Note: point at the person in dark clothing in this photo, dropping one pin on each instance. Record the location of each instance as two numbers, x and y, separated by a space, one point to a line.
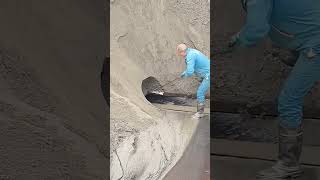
293 25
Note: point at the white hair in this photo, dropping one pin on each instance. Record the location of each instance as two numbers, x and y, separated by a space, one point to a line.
181 47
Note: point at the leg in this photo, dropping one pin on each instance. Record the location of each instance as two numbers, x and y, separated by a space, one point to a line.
302 78
201 92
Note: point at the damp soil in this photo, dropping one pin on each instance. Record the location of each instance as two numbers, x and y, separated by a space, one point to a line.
254 128
174 99
243 127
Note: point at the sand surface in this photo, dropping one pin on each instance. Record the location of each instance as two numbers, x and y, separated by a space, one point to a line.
145 139
52 111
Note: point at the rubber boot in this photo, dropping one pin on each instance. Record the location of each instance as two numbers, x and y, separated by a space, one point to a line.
200 111
290 147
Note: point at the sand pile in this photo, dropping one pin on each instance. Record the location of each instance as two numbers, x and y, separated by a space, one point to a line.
52 112
146 142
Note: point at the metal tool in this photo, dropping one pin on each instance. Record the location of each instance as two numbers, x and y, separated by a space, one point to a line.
167 83
161 87
155 91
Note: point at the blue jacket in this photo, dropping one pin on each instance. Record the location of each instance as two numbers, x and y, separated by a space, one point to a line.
292 24
196 63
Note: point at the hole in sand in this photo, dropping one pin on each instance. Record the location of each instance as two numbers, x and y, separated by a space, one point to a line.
105 80
154 93
151 85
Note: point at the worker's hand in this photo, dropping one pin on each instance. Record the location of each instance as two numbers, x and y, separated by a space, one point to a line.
183 75
289 58
199 79
233 40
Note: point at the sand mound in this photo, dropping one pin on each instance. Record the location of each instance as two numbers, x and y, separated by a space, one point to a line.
146 142
52 112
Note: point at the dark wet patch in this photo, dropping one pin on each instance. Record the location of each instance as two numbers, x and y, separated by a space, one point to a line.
243 127
161 99
253 128
151 84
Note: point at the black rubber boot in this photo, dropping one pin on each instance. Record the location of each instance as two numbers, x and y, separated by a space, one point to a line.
290 147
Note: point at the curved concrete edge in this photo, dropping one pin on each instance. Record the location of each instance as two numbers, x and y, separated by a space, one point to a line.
151 153
195 162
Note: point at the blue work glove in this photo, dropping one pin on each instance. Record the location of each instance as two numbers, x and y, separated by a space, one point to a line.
183 75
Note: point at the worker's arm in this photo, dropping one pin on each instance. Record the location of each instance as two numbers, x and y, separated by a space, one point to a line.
257 22
190 61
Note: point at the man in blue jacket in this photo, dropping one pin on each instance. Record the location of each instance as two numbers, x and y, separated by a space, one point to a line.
293 25
199 64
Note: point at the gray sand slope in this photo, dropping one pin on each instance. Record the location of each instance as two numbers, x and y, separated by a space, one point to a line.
52 111
146 142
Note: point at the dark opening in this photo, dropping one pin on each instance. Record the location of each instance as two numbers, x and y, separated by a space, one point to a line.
151 85
105 80
154 93
243 127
